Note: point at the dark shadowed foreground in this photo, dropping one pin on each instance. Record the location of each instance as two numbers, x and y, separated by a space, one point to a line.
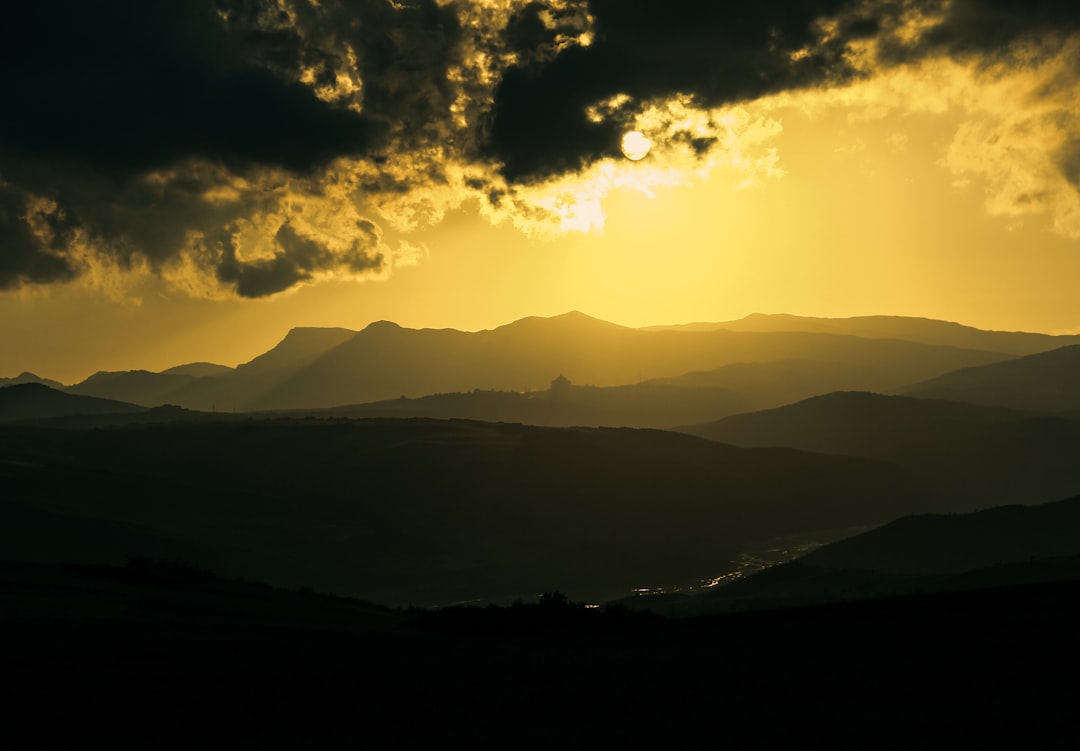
162 655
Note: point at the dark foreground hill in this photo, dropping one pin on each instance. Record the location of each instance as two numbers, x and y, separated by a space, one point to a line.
156 657
1006 545
422 511
938 544
975 456
28 402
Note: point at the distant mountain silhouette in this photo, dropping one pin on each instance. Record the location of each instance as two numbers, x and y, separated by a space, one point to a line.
316 368
1048 382
206 385
28 377
28 402
656 403
645 405
431 511
141 387
198 369
969 455
771 384
387 361
299 347
762 367
924 330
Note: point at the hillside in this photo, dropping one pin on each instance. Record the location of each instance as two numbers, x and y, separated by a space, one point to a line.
1045 382
28 377
646 405
427 511
923 330
971 455
949 544
28 402
141 387
996 547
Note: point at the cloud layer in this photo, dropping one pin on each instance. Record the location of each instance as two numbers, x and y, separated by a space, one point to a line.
249 146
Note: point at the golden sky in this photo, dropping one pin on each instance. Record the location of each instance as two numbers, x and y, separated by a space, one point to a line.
927 165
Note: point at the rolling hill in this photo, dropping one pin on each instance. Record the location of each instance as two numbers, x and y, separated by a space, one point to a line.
923 330
997 547
27 402
428 511
969 455
28 377
1044 382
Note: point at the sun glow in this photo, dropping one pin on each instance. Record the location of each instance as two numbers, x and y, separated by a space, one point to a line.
635 146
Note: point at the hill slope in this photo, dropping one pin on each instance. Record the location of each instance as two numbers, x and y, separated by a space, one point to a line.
924 330
1001 546
27 402
1046 382
971 455
429 511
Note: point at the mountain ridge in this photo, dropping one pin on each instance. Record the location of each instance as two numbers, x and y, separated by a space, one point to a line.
315 367
971 454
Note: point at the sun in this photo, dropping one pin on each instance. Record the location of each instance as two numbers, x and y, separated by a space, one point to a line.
635 146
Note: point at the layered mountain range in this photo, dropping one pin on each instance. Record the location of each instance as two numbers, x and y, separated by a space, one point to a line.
329 461
665 375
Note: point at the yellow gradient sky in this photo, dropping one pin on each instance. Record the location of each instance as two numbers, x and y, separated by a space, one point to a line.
928 189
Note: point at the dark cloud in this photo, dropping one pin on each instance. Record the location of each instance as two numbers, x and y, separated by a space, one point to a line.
140 128
125 86
108 105
715 52
981 26
401 50
23 256
297 259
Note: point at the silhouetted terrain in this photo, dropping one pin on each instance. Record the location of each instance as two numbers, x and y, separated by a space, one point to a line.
971 455
198 369
35 401
937 544
203 385
956 619
426 511
140 387
645 405
1001 546
28 377
1046 382
924 330
164 655
315 368
657 403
